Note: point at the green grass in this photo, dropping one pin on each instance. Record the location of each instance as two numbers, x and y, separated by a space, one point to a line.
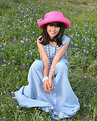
15 58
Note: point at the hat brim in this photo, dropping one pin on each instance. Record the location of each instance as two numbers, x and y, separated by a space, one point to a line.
46 21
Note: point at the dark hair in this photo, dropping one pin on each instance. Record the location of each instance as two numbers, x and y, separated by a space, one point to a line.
46 39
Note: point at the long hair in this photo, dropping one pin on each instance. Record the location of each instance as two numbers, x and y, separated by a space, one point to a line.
58 38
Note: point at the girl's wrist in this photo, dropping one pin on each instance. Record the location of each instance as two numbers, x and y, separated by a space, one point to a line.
45 78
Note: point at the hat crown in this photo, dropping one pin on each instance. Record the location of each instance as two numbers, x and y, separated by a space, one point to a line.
53 14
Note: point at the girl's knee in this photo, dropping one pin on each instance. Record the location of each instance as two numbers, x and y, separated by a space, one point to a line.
61 66
37 64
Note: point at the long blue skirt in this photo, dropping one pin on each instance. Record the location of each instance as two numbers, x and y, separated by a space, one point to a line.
62 102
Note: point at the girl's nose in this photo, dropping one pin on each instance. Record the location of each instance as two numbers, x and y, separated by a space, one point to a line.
53 27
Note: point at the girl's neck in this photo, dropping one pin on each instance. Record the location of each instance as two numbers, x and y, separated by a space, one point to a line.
53 44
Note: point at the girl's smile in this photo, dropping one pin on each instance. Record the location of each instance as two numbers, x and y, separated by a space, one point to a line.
52 31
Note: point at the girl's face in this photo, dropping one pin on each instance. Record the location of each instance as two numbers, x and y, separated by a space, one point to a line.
52 30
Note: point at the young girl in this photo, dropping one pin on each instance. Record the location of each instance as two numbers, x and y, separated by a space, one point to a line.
48 86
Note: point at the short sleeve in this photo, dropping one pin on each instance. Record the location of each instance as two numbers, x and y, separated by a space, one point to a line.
65 39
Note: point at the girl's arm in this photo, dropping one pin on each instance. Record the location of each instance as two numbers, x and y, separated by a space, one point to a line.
56 59
45 63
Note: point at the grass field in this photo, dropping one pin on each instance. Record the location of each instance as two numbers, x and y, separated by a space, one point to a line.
18 50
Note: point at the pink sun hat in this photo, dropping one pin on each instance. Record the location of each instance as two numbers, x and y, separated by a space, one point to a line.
53 16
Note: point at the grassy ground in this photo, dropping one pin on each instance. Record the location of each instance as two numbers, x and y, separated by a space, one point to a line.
18 33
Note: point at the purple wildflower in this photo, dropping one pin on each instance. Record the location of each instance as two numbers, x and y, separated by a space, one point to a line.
84 52
24 66
75 45
69 30
13 61
84 77
14 99
2 50
17 77
87 104
6 84
76 27
5 45
4 62
22 43
30 20
87 39
8 26
12 94
4 119
86 27
8 64
18 87
15 69
31 54
14 40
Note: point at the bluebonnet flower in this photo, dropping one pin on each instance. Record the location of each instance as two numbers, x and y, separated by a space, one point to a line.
76 49
95 36
12 94
4 62
15 69
25 27
14 40
4 92
19 21
14 99
87 39
76 27
17 77
26 16
84 52
18 87
75 45
93 48
86 27
31 54
93 45
76 35
8 26
26 55
83 39
23 66
27 34
88 45
5 45
84 77
27 40
6 84
4 119
87 104
69 30
30 20
84 47
22 43
33 33
13 61
8 64
2 50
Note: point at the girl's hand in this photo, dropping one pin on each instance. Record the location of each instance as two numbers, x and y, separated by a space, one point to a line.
46 86
51 84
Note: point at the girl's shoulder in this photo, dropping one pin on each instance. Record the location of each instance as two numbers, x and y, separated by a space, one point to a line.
65 39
